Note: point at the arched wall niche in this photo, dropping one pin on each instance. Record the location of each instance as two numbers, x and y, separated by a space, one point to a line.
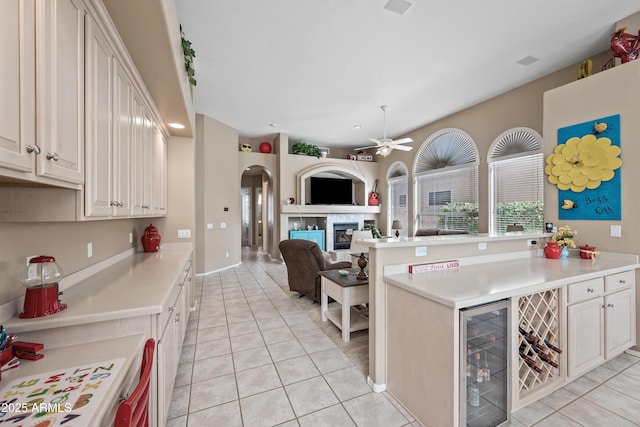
333 171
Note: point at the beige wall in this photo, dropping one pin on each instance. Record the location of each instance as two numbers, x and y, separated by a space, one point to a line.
217 186
180 190
484 122
612 92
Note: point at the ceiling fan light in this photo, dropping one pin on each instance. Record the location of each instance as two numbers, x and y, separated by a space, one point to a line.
383 151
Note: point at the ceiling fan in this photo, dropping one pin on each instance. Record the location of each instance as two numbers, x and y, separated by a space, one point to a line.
386 145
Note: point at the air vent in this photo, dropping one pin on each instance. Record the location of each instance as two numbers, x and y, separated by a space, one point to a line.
528 60
398 6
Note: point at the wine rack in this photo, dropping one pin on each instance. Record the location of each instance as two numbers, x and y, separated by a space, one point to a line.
538 315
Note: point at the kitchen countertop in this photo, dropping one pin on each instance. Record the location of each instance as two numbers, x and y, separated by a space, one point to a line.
65 359
135 286
471 285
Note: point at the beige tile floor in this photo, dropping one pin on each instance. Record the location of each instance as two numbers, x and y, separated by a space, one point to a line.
257 355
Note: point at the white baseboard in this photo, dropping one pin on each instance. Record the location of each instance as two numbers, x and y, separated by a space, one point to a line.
377 388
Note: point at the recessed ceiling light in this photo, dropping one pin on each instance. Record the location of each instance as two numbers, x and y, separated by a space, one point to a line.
528 60
273 125
357 126
176 125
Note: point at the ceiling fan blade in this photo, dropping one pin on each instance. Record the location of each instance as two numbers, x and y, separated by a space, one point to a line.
366 148
376 141
403 141
402 147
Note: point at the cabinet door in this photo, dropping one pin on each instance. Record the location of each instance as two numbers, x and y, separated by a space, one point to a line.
620 322
60 89
137 150
166 363
122 134
17 85
159 173
99 90
585 335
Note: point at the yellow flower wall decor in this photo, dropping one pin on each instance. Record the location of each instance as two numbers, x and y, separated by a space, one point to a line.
582 163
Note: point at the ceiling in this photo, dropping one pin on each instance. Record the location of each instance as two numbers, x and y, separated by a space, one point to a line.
317 68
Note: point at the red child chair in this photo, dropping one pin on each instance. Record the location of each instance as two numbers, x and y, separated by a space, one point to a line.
134 411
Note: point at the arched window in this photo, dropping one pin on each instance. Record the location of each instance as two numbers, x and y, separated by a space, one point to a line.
446 182
398 191
516 181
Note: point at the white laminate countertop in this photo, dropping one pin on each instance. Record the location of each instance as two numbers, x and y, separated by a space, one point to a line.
477 284
129 347
135 286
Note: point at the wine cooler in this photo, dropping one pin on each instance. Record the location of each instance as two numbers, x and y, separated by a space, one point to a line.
485 365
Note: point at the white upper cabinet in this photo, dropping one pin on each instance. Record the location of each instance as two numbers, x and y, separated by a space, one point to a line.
122 146
60 89
99 129
17 86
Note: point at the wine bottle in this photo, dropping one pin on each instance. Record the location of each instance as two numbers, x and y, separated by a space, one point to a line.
552 347
529 361
479 370
546 358
474 395
486 372
532 340
468 362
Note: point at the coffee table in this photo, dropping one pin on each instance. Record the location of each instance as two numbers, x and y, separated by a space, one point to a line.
348 291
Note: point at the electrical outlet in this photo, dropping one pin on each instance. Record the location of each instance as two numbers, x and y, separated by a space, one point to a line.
226 254
89 250
532 242
421 251
130 237
223 225
209 226
482 246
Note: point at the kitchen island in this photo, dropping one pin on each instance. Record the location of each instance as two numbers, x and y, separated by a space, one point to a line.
584 308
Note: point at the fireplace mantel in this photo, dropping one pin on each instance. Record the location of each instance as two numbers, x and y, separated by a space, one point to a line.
329 209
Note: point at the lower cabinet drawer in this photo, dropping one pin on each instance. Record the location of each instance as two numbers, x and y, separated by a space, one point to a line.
582 291
619 281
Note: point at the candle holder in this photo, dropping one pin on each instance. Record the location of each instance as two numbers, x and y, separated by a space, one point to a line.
362 263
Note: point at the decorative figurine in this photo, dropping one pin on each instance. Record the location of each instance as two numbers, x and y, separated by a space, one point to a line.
624 45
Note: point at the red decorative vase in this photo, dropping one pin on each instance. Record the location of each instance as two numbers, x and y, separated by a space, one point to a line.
151 239
265 147
552 250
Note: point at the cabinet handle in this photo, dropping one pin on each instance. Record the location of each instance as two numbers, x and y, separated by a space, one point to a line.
604 306
171 308
622 282
53 157
33 149
589 289
610 305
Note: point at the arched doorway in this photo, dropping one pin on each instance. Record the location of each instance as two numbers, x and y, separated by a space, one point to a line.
256 192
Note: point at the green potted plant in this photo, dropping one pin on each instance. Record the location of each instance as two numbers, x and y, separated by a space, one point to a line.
304 148
189 54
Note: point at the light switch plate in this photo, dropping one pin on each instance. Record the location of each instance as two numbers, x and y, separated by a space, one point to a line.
421 251
184 234
616 231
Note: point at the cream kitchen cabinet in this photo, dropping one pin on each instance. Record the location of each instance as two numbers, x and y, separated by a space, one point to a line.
42 82
158 174
109 94
172 325
60 89
18 147
600 320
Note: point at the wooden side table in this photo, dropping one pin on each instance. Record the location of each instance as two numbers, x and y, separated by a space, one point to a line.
348 291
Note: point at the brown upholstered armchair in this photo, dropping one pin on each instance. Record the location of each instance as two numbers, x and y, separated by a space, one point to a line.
304 260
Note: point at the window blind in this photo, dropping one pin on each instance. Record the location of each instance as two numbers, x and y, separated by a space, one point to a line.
516 193
461 213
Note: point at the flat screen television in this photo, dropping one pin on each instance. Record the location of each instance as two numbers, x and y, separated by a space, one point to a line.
331 191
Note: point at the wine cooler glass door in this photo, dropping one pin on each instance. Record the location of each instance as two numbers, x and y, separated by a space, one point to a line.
485 365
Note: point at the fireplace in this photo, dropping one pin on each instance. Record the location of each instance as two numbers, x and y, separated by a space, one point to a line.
342 234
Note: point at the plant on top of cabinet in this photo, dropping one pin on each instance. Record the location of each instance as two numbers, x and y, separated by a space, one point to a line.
304 148
189 54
